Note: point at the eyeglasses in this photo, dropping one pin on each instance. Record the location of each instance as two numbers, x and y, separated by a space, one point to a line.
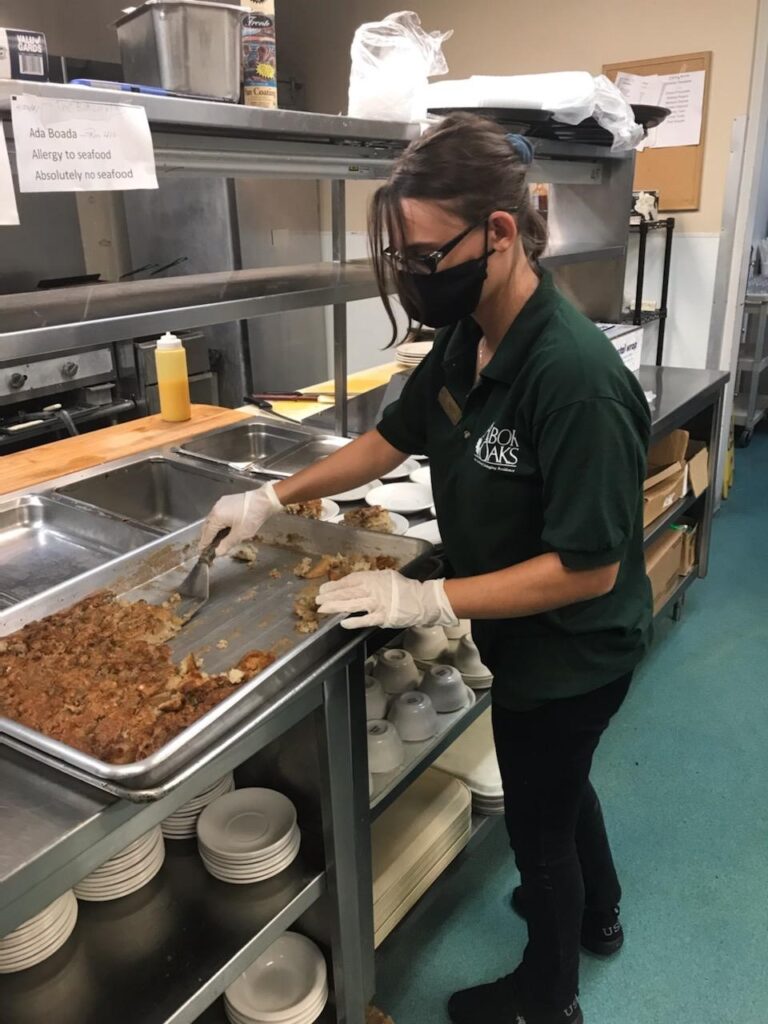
427 263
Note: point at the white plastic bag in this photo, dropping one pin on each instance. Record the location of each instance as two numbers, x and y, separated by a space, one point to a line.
572 96
391 62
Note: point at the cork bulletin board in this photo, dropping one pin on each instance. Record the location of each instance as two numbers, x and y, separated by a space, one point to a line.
674 172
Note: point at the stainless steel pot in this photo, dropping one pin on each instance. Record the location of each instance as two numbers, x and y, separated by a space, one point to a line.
189 46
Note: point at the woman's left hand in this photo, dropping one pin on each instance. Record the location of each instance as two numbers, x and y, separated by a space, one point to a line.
387 599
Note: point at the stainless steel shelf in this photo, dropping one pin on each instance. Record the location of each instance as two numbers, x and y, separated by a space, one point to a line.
560 254
419 756
740 414
748 364
204 137
211 117
672 513
61 320
164 954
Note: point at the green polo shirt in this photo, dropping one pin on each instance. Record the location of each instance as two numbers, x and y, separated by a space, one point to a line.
547 452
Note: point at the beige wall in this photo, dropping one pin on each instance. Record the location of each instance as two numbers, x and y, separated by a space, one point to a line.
503 37
73 28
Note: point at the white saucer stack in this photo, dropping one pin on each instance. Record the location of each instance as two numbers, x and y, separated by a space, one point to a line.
411 353
288 984
127 871
39 937
248 835
472 758
182 824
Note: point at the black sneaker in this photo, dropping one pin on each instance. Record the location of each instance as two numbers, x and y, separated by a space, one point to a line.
601 933
501 1003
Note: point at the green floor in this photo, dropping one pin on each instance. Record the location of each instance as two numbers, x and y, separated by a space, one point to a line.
683 776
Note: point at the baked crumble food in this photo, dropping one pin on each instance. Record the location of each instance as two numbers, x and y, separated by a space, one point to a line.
370 517
329 567
100 677
311 509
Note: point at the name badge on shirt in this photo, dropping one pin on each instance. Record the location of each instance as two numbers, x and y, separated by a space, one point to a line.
449 406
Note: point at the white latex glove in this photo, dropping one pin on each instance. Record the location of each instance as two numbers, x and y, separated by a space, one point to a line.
388 599
244 514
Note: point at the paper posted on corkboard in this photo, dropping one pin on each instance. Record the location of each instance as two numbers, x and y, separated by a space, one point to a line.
672 159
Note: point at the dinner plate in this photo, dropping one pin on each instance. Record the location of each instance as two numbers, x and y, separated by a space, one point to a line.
402 471
254 860
414 349
245 875
32 944
428 531
245 822
357 493
330 509
401 497
399 523
284 982
422 475
306 1016
39 922
51 944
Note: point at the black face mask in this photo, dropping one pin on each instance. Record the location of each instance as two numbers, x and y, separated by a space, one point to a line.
447 296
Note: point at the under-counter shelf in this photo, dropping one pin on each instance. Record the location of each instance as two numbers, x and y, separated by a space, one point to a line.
657 527
419 756
65 319
164 954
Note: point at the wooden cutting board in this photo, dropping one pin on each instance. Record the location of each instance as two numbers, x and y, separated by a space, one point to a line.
36 465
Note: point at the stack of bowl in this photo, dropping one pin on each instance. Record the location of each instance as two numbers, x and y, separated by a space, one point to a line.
447 690
127 871
39 937
287 984
182 824
248 835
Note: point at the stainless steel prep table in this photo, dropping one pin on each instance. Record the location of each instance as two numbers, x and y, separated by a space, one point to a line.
58 830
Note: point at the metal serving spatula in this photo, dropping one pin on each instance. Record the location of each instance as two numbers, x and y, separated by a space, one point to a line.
195 588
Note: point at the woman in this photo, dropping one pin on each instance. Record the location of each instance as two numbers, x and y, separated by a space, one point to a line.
537 438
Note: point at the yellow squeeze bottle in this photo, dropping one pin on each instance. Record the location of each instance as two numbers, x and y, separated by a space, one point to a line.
172 379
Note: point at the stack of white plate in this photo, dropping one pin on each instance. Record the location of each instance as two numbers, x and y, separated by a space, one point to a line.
411 353
248 835
472 758
413 842
182 824
39 937
127 871
287 984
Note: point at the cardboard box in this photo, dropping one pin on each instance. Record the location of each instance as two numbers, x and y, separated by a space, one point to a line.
666 479
663 560
689 554
697 460
666 458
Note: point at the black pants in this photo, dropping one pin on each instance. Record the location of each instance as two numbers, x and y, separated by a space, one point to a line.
556 830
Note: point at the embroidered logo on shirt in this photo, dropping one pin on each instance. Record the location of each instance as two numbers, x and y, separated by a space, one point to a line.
498 449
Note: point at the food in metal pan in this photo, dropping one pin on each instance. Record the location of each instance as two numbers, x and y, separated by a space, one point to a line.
100 677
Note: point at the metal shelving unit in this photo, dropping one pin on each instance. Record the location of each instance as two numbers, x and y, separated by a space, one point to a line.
183 917
636 315
750 405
